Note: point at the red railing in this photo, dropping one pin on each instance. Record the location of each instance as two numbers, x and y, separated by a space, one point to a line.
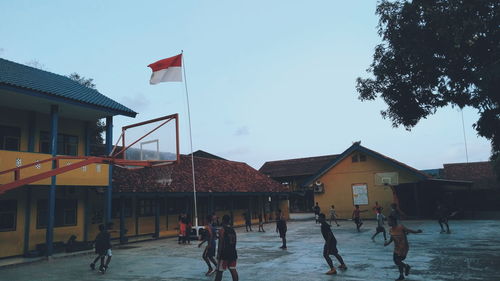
18 181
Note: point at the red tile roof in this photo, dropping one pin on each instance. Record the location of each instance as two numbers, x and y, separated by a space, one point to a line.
296 167
212 175
481 173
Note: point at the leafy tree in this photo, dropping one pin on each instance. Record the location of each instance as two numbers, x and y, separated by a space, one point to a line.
96 137
87 82
438 53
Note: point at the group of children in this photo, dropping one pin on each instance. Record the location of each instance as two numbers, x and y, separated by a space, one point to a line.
226 255
226 251
398 235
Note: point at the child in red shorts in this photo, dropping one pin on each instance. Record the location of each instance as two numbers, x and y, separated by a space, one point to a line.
226 252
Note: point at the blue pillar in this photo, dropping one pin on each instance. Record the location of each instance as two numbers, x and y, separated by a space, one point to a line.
86 215
157 218
31 131
87 138
54 118
27 219
123 238
109 147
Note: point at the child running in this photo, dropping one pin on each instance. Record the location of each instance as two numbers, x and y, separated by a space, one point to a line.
261 224
377 208
442 214
281 228
356 216
102 245
399 236
226 253
380 225
330 247
209 252
333 215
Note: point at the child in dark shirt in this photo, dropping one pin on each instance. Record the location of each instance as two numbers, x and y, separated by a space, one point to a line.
102 245
281 228
330 247
226 252
261 223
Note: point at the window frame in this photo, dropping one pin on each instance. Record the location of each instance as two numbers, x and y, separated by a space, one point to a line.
142 204
6 132
128 208
64 144
63 206
13 212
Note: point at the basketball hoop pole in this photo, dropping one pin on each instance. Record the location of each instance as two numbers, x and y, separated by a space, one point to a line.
191 143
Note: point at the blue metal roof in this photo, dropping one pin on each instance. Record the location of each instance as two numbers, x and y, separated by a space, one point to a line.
51 84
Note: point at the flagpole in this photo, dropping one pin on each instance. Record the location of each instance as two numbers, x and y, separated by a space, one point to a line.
191 143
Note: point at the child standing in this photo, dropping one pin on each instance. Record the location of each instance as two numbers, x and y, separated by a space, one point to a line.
248 221
330 247
261 223
398 234
189 228
226 252
316 210
182 229
281 228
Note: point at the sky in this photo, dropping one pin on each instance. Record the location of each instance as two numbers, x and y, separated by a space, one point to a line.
267 80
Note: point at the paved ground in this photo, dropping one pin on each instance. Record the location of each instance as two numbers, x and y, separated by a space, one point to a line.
471 252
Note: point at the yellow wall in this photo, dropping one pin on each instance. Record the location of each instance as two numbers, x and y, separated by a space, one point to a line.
338 183
92 175
12 242
61 233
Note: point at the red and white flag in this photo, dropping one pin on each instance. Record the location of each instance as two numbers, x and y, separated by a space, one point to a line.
167 70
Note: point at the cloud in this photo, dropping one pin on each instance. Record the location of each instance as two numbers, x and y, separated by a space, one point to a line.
235 153
138 102
242 131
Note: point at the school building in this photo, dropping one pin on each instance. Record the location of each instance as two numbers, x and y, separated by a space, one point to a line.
51 188
147 202
293 173
361 176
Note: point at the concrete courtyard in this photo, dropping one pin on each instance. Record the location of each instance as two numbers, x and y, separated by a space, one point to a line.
470 252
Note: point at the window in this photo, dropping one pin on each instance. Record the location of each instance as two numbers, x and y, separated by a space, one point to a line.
10 138
355 158
146 207
240 203
66 144
8 215
222 204
176 205
127 208
64 215
358 157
